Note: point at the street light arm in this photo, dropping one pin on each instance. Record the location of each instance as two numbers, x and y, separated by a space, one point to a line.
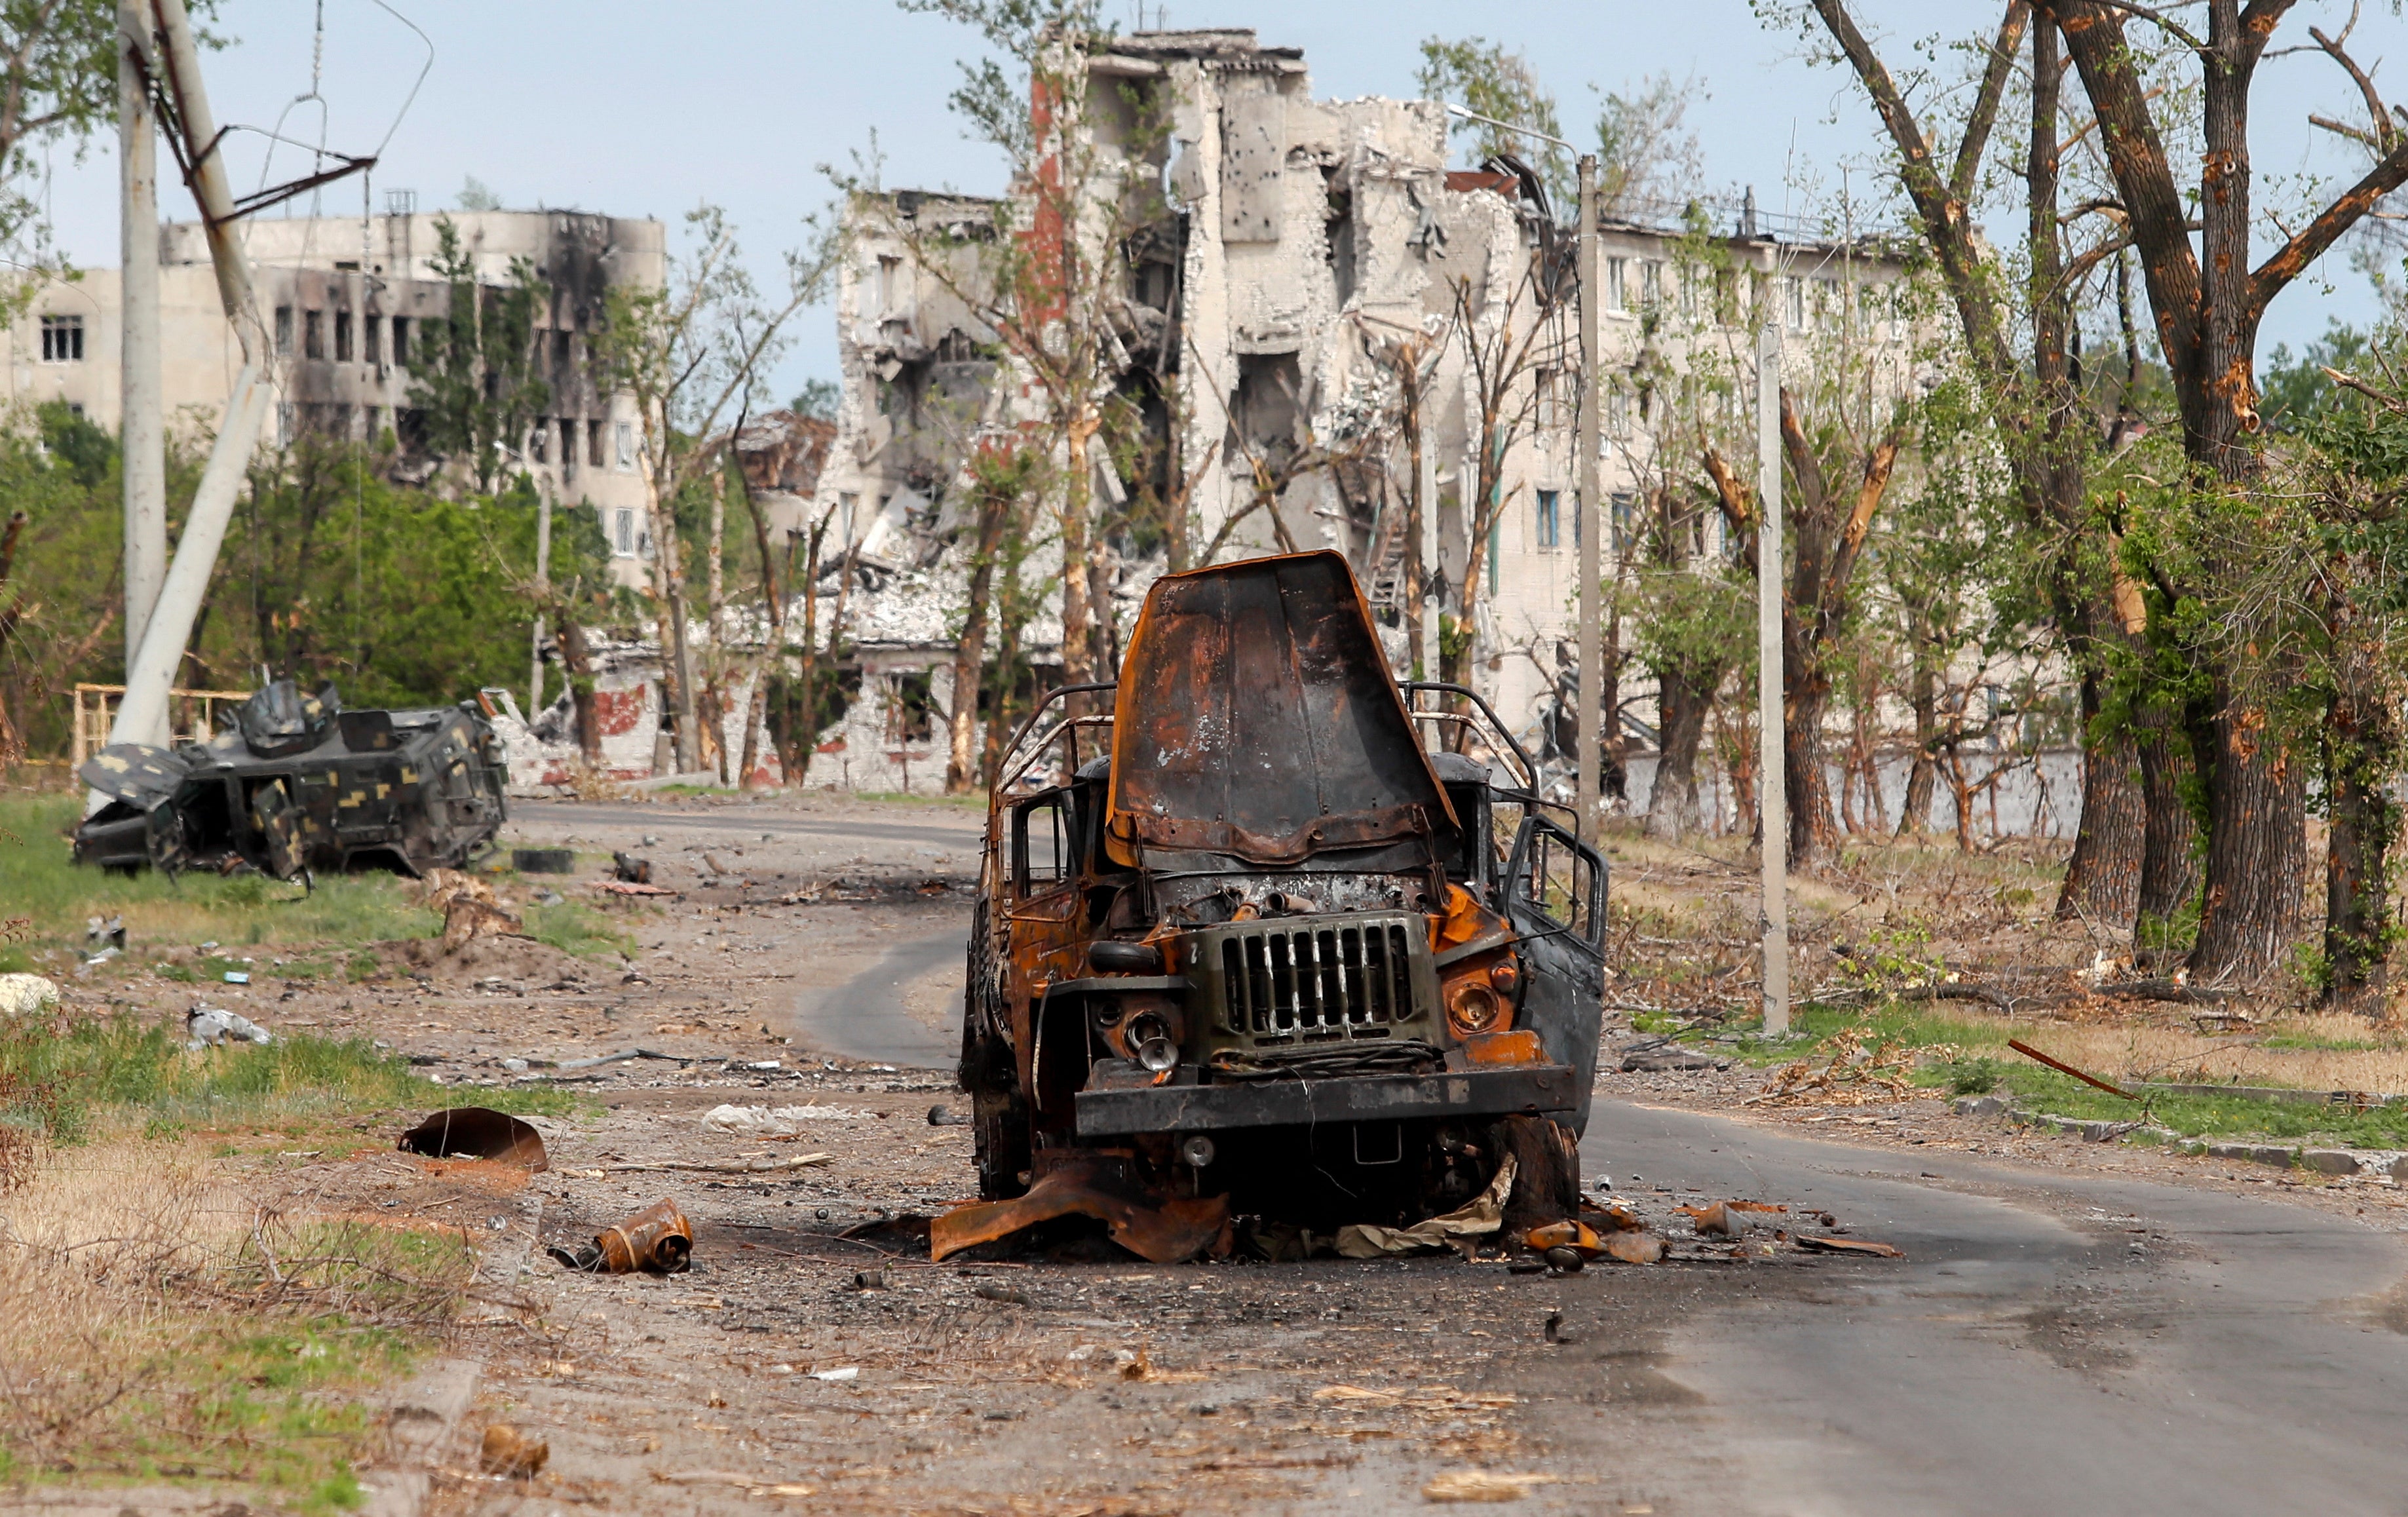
1508 126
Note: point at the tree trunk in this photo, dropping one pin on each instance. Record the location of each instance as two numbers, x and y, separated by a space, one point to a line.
1922 775
1673 805
969 652
2359 752
577 662
1813 834
2169 861
1077 655
2102 876
2256 843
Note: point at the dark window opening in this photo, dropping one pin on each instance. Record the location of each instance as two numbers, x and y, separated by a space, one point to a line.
1264 413
911 708
368 347
594 444
313 334
401 342
284 331
61 340
342 337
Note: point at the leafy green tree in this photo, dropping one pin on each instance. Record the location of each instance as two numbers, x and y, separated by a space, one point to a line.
475 378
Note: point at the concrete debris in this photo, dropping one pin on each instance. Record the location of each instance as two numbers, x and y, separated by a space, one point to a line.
1634 1247
776 1122
207 1027
22 994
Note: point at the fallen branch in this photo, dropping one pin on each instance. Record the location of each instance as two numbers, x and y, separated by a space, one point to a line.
2165 990
755 1167
2061 1068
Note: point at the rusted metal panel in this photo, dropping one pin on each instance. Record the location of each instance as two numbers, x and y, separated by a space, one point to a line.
1258 719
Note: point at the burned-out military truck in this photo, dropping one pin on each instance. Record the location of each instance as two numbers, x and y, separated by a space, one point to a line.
1263 932
295 785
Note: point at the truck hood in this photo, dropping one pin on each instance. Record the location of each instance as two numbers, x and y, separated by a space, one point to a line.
1256 717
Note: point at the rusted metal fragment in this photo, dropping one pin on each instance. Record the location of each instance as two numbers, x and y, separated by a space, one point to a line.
657 1238
1161 1229
476 1132
1848 1245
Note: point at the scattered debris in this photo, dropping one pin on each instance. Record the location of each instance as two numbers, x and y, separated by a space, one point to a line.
620 887
848 1372
776 1122
869 1280
1479 1218
622 1057
105 935
1857 1069
749 1167
1483 1485
1665 1055
207 1027
657 1239
22 996
1143 1219
512 1453
945 1116
476 1132
1004 1293
1634 1247
1812 1244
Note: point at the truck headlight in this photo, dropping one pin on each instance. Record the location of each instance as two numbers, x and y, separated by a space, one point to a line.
1472 1008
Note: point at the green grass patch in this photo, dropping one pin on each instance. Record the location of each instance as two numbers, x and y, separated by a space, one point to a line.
46 898
973 800
67 1083
1984 1063
575 928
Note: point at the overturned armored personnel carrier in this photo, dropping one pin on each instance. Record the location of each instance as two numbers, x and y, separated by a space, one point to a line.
297 785
1265 931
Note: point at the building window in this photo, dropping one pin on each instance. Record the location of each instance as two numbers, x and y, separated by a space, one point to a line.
1550 519
1624 504
283 331
1496 542
568 447
1547 400
890 282
627 437
540 443
61 340
342 337
1617 274
594 444
911 708
561 373
1794 292
401 342
313 334
1650 283
369 350
1617 413
623 531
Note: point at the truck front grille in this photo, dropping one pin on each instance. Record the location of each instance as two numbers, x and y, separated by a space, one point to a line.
1322 980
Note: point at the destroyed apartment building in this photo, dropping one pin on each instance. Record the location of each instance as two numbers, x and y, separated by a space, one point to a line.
1304 253
353 301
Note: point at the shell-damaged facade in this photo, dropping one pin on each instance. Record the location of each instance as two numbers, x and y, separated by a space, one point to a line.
1262 931
297 785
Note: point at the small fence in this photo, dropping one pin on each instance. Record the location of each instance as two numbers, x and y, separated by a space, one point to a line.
190 714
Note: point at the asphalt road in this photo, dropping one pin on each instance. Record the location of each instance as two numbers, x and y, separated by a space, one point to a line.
2052 1342
752 822
865 1018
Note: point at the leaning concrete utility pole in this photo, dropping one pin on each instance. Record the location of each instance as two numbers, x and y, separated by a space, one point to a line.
142 715
141 410
1773 782
1588 522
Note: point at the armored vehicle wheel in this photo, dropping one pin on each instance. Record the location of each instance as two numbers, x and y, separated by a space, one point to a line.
999 1134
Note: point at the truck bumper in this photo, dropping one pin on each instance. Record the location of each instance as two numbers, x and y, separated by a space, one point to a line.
1524 1090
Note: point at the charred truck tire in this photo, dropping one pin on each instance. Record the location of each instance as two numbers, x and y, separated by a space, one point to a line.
1546 1173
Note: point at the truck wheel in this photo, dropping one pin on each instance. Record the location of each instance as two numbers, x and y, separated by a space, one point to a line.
999 1134
1546 1173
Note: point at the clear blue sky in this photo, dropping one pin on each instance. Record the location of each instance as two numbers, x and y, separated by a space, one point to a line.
646 109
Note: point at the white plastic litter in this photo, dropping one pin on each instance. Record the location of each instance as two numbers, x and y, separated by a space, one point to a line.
848 1372
208 1027
775 1121
24 994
